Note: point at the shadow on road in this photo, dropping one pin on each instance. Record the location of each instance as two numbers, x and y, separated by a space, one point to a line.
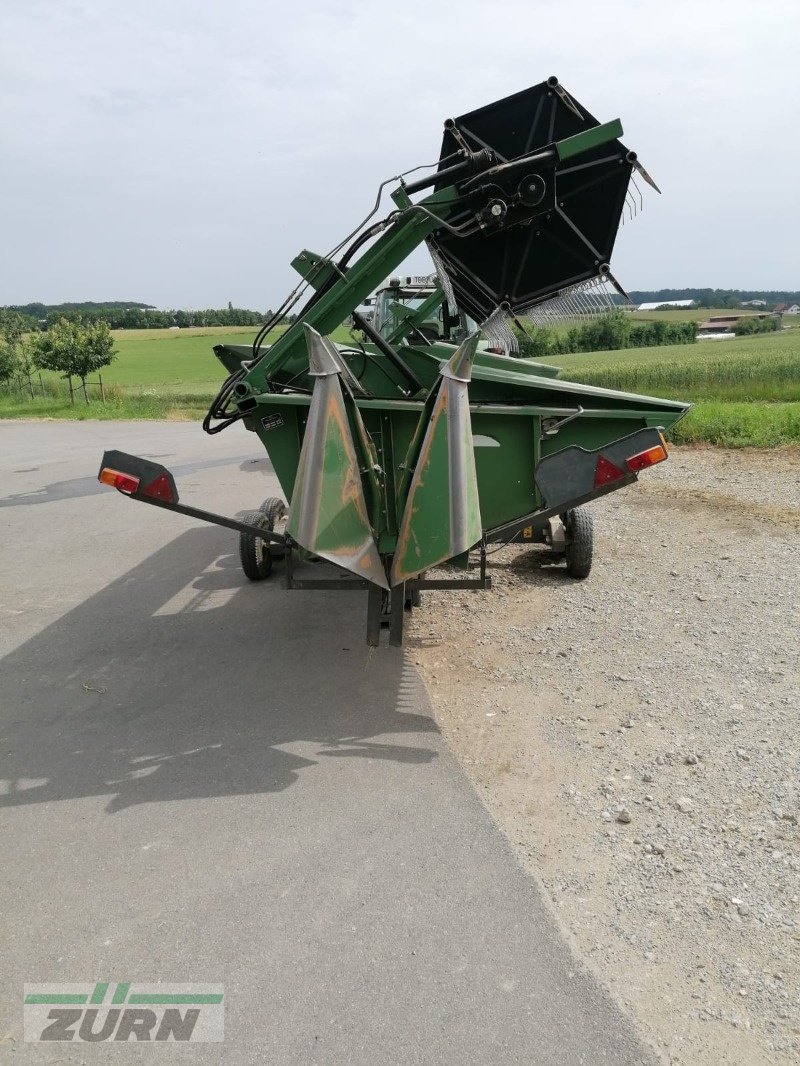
77 487
181 679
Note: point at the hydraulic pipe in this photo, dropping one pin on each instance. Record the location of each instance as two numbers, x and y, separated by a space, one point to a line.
412 379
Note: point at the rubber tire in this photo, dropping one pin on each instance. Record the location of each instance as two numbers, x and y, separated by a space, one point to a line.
274 509
580 543
254 553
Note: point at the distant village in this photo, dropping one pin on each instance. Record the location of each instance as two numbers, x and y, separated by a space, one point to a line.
720 327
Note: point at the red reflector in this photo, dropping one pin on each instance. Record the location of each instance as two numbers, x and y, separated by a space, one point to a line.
605 471
648 458
126 483
160 489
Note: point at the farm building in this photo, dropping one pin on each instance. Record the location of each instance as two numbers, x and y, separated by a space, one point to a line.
754 303
719 324
724 323
666 303
793 310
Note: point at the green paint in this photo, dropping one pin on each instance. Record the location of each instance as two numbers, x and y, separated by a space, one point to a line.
386 254
56 997
99 993
588 139
121 992
175 998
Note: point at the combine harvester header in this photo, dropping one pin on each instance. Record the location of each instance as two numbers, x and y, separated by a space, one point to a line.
425 441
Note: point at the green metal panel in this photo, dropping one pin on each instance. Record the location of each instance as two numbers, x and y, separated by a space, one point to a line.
331 309
505 467
504 471
588 139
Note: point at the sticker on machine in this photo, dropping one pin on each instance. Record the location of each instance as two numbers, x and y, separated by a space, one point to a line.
272 421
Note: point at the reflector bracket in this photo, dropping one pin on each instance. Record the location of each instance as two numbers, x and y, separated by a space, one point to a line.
606 471
160 489
647 458
126 483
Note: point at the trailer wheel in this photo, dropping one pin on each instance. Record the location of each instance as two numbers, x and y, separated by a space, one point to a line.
275 511
254 553
580 542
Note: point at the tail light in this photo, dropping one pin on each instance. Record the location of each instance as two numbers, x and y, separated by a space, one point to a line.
647 458
160 488
126 483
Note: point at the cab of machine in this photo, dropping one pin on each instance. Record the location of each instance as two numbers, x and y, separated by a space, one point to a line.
384 310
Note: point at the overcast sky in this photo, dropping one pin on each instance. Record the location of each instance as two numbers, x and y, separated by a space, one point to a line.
181 152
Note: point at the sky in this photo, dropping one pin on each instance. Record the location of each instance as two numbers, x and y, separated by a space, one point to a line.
181 152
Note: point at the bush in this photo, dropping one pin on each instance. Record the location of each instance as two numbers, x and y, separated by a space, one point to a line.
752 324
610 332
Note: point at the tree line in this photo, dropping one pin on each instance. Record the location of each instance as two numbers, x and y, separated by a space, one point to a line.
607 333
123 315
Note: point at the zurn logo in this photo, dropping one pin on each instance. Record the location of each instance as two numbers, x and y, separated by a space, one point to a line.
123 1011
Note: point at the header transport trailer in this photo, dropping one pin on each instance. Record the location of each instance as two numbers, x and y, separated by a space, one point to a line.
422 443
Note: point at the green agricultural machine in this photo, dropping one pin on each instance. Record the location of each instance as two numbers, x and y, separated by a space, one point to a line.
418 446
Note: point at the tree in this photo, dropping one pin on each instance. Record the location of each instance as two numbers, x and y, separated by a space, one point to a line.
12 329
75 349
8 361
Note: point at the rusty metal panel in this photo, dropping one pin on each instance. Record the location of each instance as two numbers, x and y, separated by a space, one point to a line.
328 513
441 517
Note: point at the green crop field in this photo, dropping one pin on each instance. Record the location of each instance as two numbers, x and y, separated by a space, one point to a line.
746 391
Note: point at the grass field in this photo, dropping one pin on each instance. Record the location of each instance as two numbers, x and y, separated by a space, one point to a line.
746 391
157 373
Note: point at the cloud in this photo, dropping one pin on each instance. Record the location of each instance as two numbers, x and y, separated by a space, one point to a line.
183 152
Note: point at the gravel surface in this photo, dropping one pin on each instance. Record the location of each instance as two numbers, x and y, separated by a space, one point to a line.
635 735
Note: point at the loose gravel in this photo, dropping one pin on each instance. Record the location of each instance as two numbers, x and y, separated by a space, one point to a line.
636 737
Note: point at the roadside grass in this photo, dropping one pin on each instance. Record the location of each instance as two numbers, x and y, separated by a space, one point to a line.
740 425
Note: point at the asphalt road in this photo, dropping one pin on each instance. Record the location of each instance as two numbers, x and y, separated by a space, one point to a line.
205 780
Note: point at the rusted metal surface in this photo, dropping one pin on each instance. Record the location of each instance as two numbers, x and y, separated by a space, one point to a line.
441 517
328 514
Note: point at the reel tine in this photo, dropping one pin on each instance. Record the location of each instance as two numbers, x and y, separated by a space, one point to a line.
638 166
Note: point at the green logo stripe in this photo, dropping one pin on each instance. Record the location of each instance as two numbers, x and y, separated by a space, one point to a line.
99 993
181 997
120 992
56 997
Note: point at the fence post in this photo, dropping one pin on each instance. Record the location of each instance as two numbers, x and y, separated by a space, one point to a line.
41 384
71 390
102 390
